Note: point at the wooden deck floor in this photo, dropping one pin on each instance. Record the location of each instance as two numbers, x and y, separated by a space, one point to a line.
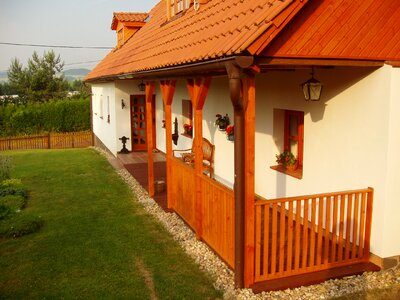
136 164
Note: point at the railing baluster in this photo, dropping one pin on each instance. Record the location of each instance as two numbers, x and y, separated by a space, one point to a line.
258 241
334 228
305 234
274 237
266 239
349 221
282 236
298 234
290 238
362 225
341 228
312 231
355 225
320 233
327 229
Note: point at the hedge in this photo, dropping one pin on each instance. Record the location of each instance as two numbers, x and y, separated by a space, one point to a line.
38 118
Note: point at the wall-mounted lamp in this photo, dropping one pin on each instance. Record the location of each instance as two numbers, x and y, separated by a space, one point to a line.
312 88
123 104
142 86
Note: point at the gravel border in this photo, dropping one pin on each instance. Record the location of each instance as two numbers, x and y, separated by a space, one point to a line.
224 277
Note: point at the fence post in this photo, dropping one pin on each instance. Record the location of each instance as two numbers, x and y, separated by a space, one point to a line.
48 141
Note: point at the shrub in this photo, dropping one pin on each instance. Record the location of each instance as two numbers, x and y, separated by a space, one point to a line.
5 212
13 191
14 202
5 167
20 224
11 183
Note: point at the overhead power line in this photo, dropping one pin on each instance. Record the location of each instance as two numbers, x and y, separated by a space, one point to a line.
56 46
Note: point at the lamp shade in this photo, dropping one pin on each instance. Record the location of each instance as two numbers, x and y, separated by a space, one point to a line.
141 86
312 89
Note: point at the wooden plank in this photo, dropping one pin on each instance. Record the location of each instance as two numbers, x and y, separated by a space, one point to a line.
149 136
334 228
312 231
258 253
327 229
290 238
362 224
341 228
355 225
267 222
320 232
167 91
282 236
274 237
305 235
249 92
297 236
368 224
349 222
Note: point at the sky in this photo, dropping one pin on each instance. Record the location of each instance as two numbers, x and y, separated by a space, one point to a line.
61 22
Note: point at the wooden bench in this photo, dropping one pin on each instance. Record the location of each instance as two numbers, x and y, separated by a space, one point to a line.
188 155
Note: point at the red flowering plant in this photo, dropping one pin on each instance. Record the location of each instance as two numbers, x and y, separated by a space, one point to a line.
286 158
230 132
188 128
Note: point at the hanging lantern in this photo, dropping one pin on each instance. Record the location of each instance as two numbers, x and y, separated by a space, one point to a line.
142 86
312 88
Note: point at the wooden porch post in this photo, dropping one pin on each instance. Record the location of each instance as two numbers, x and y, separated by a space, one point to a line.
168 90
249 96
241 93
149 136
198 90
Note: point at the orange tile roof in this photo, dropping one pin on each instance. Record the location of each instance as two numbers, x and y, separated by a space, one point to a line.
127 17
218 29
342 29
273 28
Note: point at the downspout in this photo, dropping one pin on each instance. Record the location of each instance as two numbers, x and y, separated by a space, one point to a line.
235 87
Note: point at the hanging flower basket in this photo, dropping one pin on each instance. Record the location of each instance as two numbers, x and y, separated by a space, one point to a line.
230 133
222 122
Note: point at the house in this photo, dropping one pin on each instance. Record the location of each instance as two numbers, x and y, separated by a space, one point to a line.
250 59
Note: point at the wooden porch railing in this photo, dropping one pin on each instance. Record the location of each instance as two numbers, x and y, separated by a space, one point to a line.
305 234
217 205
49 141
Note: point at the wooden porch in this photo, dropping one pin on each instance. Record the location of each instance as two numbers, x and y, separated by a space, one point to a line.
136 163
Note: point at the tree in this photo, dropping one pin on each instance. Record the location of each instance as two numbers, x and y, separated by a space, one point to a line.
79 86
40 81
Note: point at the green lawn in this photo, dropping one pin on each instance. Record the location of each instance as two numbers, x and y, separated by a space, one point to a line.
96 242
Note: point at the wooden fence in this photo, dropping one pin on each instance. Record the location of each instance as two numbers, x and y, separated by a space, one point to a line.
50 141
217 209
305 234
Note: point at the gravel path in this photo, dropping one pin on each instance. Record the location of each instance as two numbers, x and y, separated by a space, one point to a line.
224 277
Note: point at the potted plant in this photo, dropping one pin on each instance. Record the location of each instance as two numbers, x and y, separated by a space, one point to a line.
222 121
230 132
287 159
188 129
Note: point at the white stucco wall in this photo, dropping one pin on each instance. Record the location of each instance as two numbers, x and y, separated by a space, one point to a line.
391 215
104 131
351 136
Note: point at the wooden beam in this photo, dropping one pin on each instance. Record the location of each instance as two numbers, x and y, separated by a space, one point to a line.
198 90
249 97
168 91
149 136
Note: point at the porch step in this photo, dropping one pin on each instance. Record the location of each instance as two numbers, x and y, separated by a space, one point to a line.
313 278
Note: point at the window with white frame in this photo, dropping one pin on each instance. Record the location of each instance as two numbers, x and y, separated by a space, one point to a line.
108 109
101 107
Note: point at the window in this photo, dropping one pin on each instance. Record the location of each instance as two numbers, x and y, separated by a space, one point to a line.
187 117
108 109
288 134
293 134
94 104
177 6
101 107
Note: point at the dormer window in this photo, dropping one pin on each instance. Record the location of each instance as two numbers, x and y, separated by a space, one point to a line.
127 24
177 6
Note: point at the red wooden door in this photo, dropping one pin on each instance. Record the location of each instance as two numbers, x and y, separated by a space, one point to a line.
138 122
